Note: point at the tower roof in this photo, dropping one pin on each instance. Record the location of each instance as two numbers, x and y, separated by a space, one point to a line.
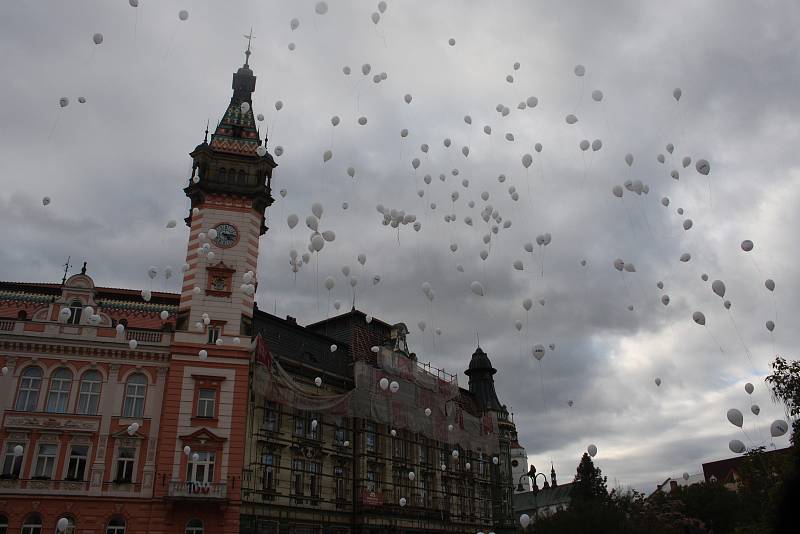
481 383
236 132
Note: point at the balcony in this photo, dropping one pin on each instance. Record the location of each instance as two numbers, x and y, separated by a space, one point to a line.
197 491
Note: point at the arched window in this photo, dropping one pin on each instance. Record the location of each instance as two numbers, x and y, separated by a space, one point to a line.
221 173
58 396
76 308
241 179
194 526
22 315
89 393
3 524
231 176
135 391
32 524
116 526
29 384
70 529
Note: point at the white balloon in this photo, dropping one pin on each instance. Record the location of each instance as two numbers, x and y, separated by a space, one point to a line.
97 38
769 284
685 257
476 288
329 283
665 300
63 523
658 381
527 303
133 344
778 428
571 119
755 409
629 159
394 387
736 446
183 14
687 224
617 191
329 235
592 450
376 17
382 6
317 242
334 348
321 8
518 265
524 520
676 93
597 95
580 70
718 287
362 121
292 220
747 245
312 222
532 101
735 417
527 160
770 326
451 42
703 167
538 352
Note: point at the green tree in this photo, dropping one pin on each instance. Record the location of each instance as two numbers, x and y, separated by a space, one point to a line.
589 484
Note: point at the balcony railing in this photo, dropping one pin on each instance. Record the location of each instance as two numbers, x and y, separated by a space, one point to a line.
185 489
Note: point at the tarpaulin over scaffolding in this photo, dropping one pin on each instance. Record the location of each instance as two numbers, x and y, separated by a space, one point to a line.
419 389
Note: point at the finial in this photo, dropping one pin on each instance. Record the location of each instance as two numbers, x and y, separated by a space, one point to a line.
66 269
205 139
478 337
247 52
83 269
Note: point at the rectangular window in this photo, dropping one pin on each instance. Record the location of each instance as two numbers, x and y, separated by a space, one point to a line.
297 477
340 435
29 392
58 396
300 424
45 461
12 464
272 417
374 477
370 437
213 334
339 475
125 460
77 462
269 465
424 486
202 469
134 399
315 472
205 403
88 397
423 453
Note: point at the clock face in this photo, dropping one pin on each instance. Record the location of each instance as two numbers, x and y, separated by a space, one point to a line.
227 235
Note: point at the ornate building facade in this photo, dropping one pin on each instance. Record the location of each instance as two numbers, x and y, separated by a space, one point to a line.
128 411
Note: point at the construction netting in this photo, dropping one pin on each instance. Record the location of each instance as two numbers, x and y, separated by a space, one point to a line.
417 400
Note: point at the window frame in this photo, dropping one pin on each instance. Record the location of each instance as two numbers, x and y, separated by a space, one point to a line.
204 402
90 395
41 469
125 463
26 386
3 524
272 417
69 475
32 524
269 470
70 525
76 311
194 528
208 461
132 412
298 477
58 391
116 529
16 461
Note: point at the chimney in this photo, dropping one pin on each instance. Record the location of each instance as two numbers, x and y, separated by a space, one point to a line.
291 320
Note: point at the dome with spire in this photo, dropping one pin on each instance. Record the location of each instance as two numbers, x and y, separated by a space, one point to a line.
481 381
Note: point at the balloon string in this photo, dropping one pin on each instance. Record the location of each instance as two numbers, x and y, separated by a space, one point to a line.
316 281
55 123
739 335
714 338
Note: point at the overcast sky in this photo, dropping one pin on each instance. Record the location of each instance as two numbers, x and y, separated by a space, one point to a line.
115 165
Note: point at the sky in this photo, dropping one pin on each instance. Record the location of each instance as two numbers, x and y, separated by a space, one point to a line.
114 168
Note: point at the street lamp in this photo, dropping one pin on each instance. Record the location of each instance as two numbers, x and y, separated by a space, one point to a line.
533 475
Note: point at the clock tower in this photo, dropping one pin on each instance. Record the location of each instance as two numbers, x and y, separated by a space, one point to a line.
204 412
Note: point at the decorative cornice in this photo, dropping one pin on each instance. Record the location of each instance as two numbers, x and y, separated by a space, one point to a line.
90 352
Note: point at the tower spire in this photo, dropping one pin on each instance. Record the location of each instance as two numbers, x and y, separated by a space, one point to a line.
249 37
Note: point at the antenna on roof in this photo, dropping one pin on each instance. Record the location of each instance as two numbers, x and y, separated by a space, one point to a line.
478 337
66 269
